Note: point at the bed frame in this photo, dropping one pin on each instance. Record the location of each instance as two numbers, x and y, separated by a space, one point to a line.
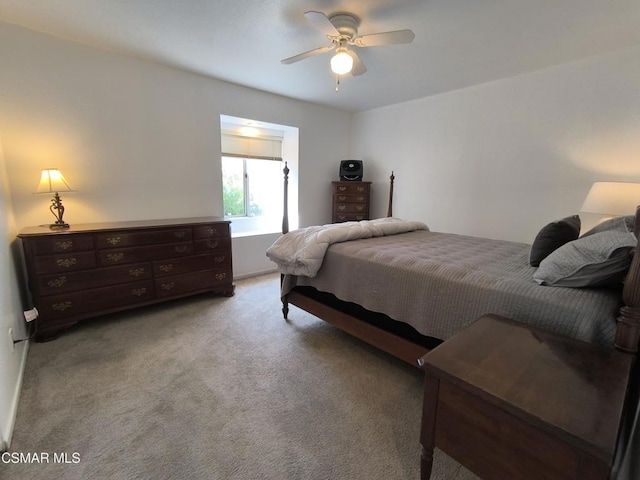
408 349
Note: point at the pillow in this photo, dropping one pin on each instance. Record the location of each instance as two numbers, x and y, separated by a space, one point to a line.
621 224
552 236
600 259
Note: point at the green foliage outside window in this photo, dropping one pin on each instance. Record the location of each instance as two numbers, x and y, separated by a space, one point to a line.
233 195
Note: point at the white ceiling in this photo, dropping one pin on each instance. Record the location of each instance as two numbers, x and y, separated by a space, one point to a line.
457 43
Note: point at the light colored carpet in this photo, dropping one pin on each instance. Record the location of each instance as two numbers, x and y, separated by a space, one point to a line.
219 388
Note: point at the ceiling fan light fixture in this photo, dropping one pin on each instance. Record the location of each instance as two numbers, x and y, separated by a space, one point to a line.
341 63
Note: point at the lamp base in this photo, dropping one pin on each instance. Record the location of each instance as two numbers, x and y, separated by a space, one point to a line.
54 226
57 209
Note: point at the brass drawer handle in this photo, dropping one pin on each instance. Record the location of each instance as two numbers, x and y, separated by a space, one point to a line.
61 307
360 207
341 217
212 244
136 272
342 197
361 198
166 267
138 292
115 257
221 276
210 230
66 262
360 189
167 286
359 217
58 282
64 245
220 259
179 234
342 189
180 248
114 240
341 207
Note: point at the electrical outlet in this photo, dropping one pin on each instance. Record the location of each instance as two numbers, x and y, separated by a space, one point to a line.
13 345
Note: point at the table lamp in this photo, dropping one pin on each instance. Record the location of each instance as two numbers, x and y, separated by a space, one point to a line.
52 181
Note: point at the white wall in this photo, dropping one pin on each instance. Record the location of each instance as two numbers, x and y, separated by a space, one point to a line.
12 359
501 160
139 140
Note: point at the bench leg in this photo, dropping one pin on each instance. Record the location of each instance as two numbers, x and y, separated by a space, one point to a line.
427 431
426 463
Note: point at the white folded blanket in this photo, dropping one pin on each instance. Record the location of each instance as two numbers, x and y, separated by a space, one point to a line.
301 252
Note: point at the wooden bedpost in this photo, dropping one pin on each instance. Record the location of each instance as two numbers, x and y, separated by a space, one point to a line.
390 208
628 327
285 212
285 229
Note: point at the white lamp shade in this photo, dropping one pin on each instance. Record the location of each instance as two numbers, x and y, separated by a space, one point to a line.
341 63
612 198
51 181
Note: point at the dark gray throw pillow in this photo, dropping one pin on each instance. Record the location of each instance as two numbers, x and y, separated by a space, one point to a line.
553 236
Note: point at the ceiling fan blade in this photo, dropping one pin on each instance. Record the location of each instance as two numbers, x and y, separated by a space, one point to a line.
358 67
322 23
310 53
385 38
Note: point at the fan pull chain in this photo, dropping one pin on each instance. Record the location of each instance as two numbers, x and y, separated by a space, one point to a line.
337 83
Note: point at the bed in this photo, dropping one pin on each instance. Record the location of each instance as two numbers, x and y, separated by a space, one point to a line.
407 292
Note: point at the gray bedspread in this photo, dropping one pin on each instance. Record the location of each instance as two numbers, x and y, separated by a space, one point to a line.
439 283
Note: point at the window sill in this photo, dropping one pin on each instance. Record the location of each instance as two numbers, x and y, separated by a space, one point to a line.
255 233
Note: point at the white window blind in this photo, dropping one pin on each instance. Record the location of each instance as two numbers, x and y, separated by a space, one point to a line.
264 148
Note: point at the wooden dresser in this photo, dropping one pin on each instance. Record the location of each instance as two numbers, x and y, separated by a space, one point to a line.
350 201
95 269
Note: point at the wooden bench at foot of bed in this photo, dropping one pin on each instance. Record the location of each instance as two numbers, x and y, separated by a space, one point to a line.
510 401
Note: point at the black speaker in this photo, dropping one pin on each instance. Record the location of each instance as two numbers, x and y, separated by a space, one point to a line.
351 170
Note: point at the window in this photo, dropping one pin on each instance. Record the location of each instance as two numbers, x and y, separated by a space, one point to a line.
249 187
252 160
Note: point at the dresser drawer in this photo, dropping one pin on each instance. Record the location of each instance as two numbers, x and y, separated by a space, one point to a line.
349 217
94 300
212 244
100 277
352 208
61 244
63 263
351 188
364 199
190 282
141 254
191 264
211 231
146 237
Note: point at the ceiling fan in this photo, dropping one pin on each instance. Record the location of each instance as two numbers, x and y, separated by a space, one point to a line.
342 30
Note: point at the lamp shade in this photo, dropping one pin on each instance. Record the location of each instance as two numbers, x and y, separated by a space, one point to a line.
51 181
612 198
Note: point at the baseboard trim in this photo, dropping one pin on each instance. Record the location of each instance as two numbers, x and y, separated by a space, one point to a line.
255 274
7 435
